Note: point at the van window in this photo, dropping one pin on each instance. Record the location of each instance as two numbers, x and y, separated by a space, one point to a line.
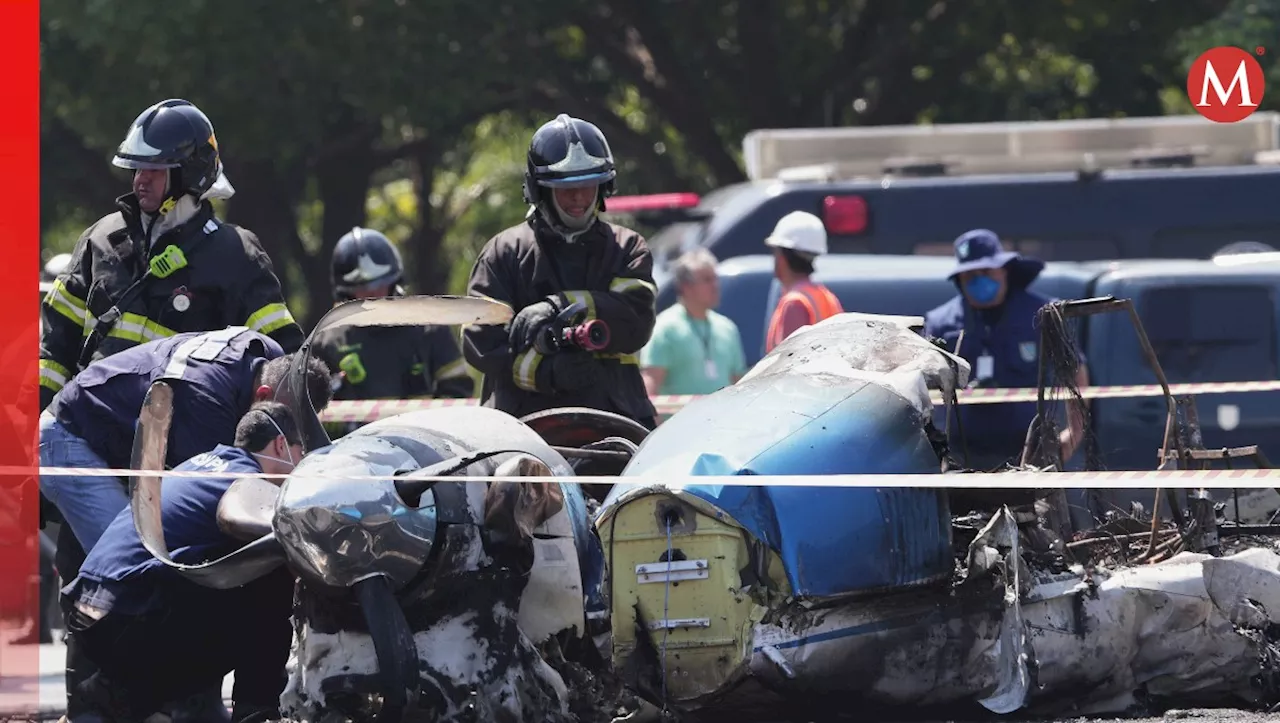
1212 333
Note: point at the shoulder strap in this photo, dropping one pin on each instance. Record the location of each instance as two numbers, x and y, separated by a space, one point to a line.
107 321
812 302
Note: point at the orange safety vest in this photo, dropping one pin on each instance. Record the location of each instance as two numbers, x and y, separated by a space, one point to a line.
815 298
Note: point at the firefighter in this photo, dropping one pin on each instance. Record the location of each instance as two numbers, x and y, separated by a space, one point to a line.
385 362
997 313
798 239
563 254
162 263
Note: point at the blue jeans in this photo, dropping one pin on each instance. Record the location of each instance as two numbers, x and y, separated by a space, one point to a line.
88 504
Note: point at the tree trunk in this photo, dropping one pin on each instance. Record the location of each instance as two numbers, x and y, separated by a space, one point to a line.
430 272
266 201
343 179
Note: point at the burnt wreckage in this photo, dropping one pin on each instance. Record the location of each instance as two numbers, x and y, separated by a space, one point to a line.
422 594
727 601
425 595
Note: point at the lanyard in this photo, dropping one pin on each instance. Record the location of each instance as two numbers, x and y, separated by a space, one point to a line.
705 339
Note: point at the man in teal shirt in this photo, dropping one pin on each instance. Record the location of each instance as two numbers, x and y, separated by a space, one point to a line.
693 349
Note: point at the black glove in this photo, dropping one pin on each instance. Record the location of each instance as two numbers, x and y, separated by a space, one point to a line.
573 371
531 320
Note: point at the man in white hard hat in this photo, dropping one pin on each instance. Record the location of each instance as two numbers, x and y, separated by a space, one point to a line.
797 240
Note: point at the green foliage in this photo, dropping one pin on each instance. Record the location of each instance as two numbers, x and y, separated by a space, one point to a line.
1247 24
486 196
432 102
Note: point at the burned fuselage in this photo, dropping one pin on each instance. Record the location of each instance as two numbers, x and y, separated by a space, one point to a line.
728 599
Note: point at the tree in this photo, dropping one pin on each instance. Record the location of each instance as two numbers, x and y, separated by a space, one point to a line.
317 102
309 102
714 71
1249 25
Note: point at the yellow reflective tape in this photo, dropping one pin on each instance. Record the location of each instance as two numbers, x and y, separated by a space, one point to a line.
620 358
54 366
456 368
622 285
579 297
140 327
53 375
71 299
270 318
66 303
524 370
119 332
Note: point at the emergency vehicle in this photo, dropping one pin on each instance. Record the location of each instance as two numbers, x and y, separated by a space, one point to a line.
1077 190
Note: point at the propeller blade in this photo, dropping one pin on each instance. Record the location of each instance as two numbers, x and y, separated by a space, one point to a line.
416 311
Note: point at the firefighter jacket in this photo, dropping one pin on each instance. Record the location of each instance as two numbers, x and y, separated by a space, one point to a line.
609 268
200 275
394 362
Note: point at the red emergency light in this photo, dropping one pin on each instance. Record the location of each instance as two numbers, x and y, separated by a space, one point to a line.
651 202
844 215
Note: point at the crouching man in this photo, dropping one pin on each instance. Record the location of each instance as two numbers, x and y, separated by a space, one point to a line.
154 635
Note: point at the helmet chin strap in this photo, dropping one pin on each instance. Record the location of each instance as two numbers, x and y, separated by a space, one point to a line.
575 226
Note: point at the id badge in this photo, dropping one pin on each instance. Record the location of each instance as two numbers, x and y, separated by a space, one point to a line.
710 369
986 368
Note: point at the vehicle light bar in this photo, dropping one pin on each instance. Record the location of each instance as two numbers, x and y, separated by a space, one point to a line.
651 202
1011 147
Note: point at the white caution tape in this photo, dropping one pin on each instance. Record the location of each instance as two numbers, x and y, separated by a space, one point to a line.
374 409
1211 479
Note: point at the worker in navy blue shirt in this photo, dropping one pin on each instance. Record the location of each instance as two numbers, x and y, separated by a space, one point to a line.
90 423
997 313
156 636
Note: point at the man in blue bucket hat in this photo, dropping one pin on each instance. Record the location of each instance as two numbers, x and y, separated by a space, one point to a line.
997 313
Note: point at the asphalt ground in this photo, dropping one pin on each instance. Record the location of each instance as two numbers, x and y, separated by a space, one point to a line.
42 698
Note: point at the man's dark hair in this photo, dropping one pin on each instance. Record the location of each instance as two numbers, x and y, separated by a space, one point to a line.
256 430
275 371
797 262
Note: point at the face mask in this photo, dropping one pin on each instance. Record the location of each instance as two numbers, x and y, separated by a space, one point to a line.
287 449
982 289
577 223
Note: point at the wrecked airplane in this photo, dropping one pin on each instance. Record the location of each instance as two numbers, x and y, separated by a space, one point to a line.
418 599
729 601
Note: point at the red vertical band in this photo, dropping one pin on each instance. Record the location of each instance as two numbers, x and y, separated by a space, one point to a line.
19 350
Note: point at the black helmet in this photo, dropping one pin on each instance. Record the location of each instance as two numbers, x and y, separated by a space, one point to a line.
362 259
567 153
173 134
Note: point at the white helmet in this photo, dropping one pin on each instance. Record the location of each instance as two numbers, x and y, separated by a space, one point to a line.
56 265
801 232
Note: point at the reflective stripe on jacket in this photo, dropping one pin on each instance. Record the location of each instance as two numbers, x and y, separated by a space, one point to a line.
816 299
